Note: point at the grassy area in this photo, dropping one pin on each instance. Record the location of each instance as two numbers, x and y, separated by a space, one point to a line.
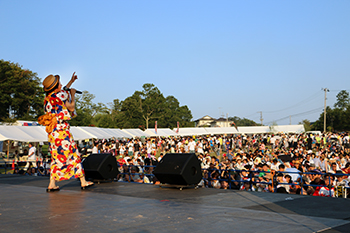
8 170
45 149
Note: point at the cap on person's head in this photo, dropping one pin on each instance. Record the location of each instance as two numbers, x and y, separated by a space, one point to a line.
50 82
339 172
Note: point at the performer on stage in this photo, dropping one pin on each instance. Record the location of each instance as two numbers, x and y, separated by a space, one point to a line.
59 107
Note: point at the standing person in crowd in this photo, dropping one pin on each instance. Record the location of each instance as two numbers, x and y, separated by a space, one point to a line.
31 156
59 107
16 155
95 149
192 146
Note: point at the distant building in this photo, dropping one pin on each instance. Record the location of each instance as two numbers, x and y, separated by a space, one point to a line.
208 121
221 122
204 121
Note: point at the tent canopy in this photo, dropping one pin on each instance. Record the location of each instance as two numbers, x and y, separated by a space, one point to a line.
19 133
192 131
38 133
162 132
135 132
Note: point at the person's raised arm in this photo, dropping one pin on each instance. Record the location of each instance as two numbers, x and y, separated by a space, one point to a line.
72 80
71 104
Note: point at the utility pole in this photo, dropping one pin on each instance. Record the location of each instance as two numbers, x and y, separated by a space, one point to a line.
290 120
261 118
227 120
325 106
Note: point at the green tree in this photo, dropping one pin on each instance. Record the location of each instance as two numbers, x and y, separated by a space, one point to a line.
337 119
151 103
243 121
130 110
21 94
144 107
343 100
115 114
86 109
318 125
174 113
306 123
104 120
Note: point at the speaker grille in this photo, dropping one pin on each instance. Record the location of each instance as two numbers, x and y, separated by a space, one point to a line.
179 169
100 167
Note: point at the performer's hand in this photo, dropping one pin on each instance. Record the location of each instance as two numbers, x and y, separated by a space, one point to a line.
72 91
74 77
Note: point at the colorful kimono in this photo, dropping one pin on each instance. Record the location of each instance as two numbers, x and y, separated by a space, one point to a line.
66 162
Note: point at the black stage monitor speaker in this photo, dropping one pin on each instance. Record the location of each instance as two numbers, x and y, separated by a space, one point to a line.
179 169
100 167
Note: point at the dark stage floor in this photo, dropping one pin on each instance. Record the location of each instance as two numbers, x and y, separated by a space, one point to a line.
125 207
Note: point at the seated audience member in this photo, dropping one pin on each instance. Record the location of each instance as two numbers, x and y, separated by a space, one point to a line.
325 190
134 177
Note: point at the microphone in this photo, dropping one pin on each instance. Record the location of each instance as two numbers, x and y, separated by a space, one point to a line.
76 91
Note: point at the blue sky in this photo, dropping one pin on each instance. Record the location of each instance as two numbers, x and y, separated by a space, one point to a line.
216 57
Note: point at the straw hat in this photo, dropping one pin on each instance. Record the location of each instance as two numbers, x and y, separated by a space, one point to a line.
50 82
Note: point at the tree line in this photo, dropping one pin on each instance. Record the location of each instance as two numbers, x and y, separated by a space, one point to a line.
337 118
22 97
140 110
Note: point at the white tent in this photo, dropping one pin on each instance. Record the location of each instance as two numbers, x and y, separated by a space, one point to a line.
79 134
96 132
38 133
161 132
2 138
135 132
118 133
214 130
253 129
287 129
17 133
191 131
166 132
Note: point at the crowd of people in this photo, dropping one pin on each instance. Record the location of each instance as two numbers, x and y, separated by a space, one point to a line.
307 164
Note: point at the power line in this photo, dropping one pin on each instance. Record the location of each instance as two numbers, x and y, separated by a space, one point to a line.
310 98
250 114
297 114
338 90
297 104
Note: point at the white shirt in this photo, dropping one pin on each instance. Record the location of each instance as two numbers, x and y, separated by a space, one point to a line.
131 146
149 148
31 154
200 148
275 167
192 145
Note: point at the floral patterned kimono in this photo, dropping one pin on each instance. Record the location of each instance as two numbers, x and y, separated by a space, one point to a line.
66 162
